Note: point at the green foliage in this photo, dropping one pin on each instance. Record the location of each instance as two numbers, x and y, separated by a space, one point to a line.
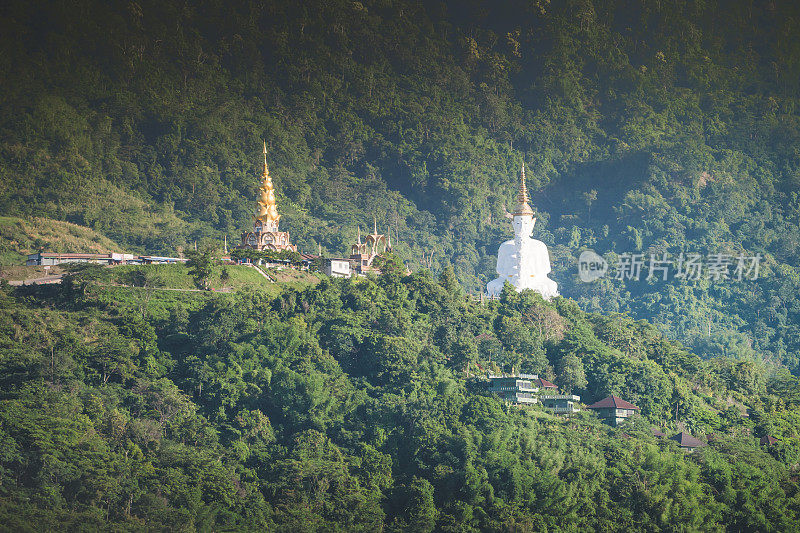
149 132
201 264
350 405
283 256
571 372
345 406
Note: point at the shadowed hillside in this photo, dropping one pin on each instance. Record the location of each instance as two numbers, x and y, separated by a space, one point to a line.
646 127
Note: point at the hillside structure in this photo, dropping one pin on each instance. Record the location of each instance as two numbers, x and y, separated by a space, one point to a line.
58 258
614 409
337 267
522 261
560 404
520 389
362 254
687 442
265 234
527 389
544 384
768 440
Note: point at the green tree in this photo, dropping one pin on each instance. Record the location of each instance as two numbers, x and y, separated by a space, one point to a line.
571 374
448 280
201 265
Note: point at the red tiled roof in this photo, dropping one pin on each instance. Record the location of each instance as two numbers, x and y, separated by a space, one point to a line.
546 384
612 402
769 440
685 440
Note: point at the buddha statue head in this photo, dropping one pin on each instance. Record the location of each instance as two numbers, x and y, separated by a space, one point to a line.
523 226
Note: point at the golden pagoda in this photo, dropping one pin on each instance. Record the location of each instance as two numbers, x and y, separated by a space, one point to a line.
265 234
266 206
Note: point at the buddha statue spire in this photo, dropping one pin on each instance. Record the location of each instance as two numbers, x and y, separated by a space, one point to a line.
523 207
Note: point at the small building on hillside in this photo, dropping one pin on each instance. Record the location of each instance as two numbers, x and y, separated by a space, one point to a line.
57 258
614 409
768 440
160 260
306 260
560 404
687 442
519 389
337 268
658 433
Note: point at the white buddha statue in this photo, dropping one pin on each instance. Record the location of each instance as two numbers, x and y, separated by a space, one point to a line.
523 261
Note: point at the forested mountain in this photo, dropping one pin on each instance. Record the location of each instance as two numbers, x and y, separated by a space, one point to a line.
345 407
646 126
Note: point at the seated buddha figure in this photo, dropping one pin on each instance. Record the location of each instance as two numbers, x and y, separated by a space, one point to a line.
522 261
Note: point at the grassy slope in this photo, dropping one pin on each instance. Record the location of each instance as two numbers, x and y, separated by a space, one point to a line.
121 287
19 237
177 277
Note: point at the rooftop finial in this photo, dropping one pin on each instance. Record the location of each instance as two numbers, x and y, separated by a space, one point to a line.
523 207
266 170
374 225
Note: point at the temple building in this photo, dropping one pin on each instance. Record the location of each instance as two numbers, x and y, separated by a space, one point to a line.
265 234
362 254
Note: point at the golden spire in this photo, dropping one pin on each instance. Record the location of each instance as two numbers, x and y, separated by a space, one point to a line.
266 206
359 235
523 207
374 225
